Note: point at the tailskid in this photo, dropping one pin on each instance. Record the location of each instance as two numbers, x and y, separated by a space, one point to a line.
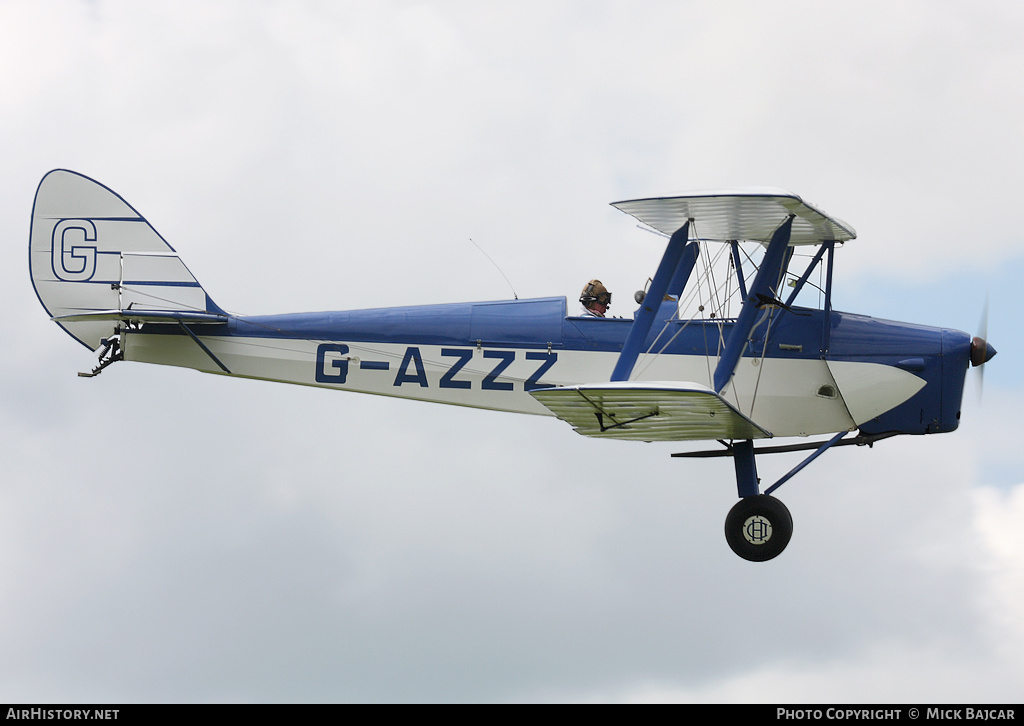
110 352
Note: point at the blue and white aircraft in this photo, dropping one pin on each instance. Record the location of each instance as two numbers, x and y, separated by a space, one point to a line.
774 369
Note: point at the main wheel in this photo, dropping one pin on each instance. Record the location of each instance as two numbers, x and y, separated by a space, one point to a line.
758 528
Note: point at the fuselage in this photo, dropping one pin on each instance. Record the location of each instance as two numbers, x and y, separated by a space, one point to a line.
803 371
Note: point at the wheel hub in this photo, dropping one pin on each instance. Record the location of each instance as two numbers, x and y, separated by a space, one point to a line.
757 530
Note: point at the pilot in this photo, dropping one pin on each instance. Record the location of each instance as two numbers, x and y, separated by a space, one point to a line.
595 299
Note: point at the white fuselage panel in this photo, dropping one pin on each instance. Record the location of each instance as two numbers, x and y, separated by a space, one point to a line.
786 397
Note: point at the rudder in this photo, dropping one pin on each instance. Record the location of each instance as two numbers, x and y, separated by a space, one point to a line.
93 258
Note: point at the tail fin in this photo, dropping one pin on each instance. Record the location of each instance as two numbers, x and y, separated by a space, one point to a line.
94 260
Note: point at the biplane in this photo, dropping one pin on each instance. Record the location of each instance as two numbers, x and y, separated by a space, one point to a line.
758 367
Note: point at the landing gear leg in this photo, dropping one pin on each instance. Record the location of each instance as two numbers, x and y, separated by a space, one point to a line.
758 527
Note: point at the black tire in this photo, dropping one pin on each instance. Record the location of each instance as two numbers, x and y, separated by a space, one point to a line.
758 528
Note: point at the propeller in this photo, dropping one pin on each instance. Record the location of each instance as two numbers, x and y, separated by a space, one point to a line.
981 350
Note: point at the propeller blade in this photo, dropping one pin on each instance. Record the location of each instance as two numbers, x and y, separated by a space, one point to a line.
983 323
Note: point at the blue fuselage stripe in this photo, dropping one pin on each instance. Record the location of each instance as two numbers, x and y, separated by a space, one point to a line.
543 324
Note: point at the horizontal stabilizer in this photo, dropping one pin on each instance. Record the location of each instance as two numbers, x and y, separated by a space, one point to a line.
143 316
650 411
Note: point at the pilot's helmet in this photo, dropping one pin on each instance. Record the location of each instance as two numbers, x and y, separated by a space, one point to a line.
595 292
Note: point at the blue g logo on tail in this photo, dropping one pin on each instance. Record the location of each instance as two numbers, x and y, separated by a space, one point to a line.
72 261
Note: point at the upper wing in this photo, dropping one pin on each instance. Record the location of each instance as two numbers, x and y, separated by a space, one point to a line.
663 411
739 214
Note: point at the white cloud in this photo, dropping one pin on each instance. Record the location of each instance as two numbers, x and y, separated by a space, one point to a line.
895 671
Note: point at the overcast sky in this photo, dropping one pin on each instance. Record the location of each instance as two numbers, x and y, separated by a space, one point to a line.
172 536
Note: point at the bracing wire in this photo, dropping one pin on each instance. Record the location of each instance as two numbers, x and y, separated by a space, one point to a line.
711 298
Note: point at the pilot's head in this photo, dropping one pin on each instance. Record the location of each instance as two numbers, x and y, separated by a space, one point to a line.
596 298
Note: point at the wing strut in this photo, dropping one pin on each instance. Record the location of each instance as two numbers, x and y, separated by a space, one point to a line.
675 267
767 277
738 264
